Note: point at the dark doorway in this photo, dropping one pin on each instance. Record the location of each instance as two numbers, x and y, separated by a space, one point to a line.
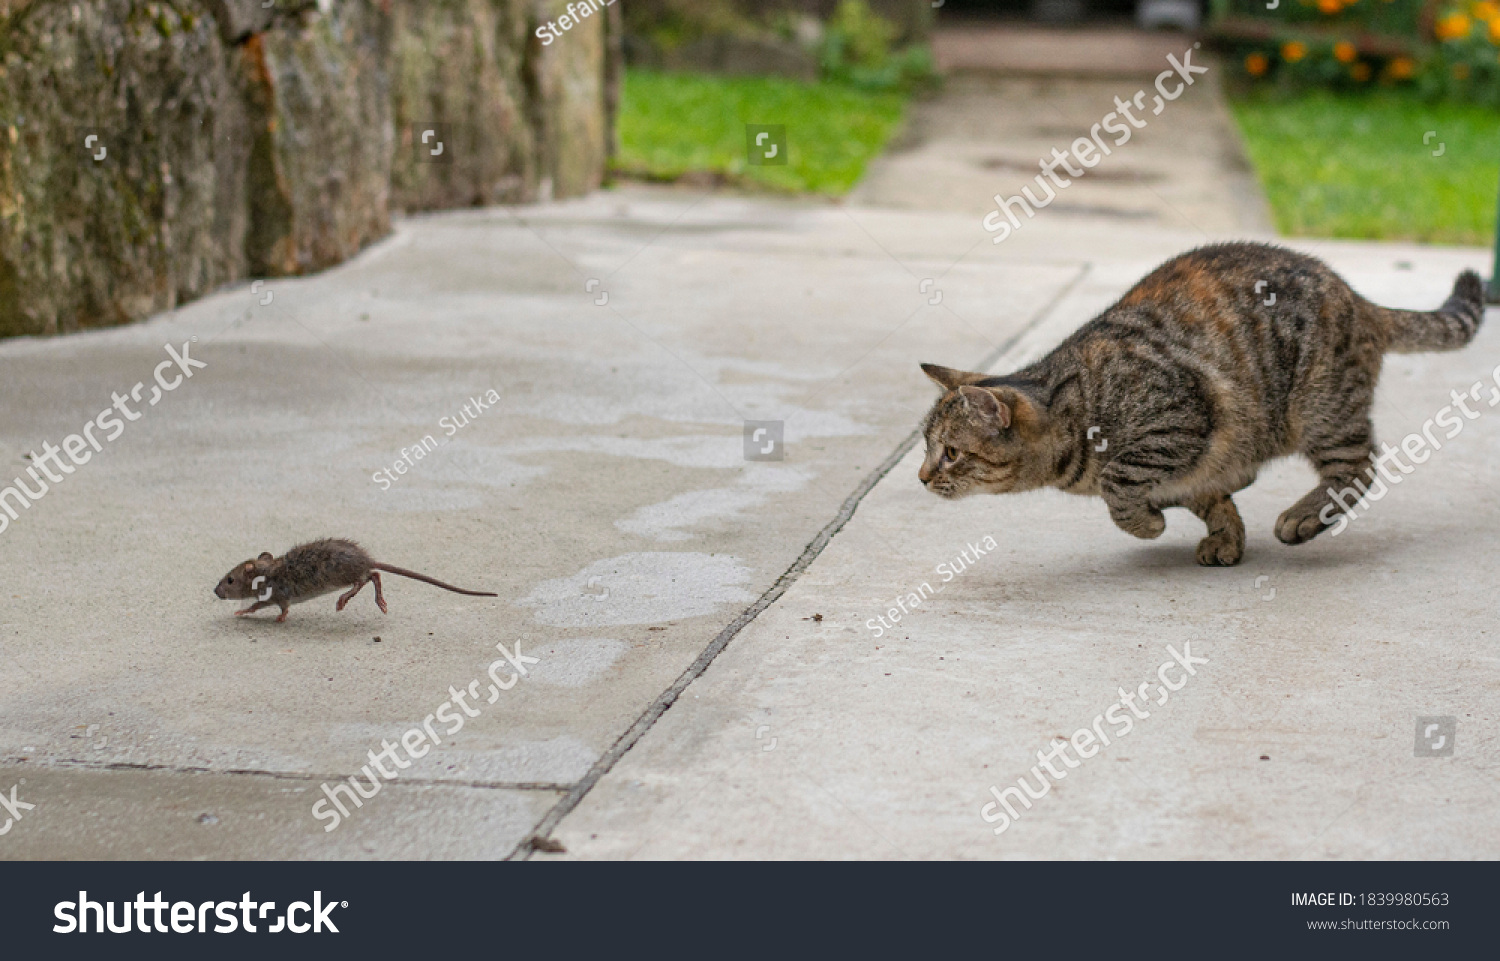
1092 11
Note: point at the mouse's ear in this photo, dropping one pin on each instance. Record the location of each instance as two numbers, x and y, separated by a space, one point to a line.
265 556
249 565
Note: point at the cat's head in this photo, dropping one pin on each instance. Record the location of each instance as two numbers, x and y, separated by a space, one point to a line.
980 440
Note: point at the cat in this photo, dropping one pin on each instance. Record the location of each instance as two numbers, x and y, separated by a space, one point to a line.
1177 394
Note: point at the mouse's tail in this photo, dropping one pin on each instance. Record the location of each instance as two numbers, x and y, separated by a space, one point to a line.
430 580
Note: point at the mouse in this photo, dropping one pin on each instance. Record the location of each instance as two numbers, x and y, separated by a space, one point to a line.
311 570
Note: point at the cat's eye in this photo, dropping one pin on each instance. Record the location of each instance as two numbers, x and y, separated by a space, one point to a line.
950 454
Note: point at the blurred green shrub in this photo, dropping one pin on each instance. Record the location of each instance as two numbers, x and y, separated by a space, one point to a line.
856 49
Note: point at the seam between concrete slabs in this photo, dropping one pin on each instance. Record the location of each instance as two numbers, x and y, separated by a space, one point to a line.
278 775
667 698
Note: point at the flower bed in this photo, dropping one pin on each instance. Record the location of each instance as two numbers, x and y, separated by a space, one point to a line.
1443 49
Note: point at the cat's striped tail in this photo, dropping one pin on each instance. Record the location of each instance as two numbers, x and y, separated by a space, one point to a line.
1449 327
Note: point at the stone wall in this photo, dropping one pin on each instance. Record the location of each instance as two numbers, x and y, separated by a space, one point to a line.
153 151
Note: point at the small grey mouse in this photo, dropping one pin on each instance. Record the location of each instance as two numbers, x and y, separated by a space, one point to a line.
312 570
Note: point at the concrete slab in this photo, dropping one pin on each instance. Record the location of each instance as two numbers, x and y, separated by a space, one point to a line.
1016 48
605 493
815 736
93 813
1182 167
602 491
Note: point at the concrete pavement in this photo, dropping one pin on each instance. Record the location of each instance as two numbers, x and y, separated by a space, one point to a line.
607 499
1016 48
605 494
824 738
1182 168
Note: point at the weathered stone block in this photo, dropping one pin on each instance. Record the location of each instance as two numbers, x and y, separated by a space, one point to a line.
152 151
570 94
318 89
149 212
238 19
460 64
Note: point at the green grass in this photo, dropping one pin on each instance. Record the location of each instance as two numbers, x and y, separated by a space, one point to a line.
673 124
1355 166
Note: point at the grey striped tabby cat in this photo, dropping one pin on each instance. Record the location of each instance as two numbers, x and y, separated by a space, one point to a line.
1194 382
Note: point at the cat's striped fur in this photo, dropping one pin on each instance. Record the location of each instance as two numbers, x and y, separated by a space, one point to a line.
1194 382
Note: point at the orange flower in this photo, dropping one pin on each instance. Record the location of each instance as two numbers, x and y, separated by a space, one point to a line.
1455 26
1494 32
1293 51
1256 65
1486 10
1344 52
1402 68
1360 72
1330 7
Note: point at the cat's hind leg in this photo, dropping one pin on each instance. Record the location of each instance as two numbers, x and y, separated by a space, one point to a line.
1225 543
1341 457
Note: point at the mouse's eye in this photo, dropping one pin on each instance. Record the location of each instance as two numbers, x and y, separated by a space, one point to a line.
229 580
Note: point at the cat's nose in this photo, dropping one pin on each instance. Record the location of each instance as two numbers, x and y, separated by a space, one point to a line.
924 475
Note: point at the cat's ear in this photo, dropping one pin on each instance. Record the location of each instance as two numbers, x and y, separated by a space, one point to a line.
948 378
986 406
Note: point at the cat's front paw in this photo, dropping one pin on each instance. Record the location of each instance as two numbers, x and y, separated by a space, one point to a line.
1223 549
1146 523
1298 524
